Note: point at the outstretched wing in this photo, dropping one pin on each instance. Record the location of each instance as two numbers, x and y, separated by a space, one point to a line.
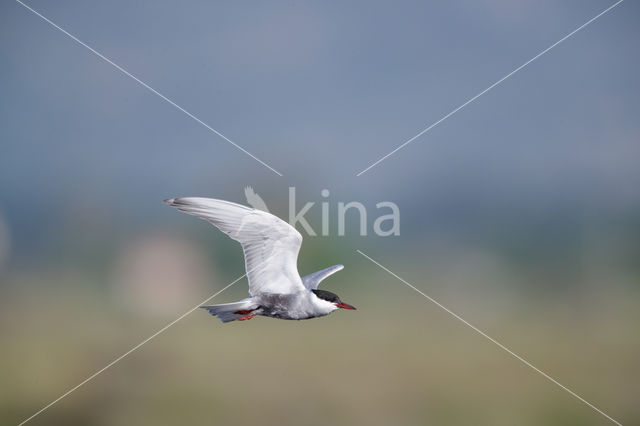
312 281
270 245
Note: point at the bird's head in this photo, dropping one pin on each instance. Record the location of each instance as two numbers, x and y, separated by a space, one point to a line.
332 298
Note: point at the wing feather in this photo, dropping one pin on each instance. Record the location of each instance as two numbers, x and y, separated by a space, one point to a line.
270 244
312 281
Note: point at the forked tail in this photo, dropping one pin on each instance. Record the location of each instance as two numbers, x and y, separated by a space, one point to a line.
232 311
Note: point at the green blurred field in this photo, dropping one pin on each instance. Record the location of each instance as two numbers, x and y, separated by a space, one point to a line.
398 359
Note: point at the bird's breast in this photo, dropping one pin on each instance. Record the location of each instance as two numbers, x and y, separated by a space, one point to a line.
291 306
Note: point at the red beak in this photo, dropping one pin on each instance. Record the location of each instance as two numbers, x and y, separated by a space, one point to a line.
345 306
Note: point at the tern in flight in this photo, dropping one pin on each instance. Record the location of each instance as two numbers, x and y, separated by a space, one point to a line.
271 249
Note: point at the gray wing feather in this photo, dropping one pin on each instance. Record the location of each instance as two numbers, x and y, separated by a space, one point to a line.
312 281
270 245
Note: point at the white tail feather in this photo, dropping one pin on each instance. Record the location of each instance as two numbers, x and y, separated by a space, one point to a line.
226 312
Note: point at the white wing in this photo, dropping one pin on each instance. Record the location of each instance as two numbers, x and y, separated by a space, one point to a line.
312 281
270 245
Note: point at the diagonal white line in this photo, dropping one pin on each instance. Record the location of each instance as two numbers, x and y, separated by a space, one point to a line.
151 89
491 339
91 377
489 88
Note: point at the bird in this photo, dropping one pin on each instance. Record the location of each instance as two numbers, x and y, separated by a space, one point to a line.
271 248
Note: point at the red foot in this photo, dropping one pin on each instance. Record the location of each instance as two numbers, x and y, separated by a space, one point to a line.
244 312
248 317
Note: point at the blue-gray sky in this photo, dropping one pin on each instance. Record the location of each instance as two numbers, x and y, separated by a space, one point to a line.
319 90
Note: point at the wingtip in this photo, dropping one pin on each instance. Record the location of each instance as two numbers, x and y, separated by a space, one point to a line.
169 201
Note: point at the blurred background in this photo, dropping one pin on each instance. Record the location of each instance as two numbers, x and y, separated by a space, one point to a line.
521 213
